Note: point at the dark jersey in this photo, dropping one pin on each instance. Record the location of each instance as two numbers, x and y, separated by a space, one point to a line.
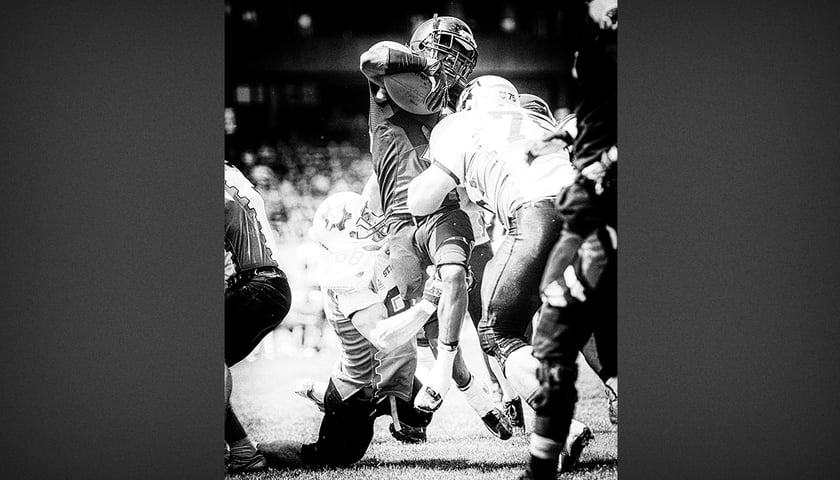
248 236
399 147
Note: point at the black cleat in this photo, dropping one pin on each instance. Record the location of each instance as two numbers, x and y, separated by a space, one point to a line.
408 434
252 463
579 437
498 423
513 409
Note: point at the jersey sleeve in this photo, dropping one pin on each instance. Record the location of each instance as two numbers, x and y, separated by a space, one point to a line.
447 147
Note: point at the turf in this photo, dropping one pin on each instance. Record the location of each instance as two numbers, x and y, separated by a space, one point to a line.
459 445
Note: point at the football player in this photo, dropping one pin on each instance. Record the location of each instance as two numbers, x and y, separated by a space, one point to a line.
375 373
444 48
485 147
499 424
587 205
257 298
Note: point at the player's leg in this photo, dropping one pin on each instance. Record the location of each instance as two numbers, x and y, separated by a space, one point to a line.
252 310
490 282
243 453
511 289
477 396
563 328
409 424
506 394
346 429
481 254
556 344
446 238
601 295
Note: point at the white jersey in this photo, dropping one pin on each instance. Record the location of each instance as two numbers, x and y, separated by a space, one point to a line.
486 150
352 280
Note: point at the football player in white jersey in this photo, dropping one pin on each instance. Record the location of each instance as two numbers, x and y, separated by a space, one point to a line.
375 373
484 146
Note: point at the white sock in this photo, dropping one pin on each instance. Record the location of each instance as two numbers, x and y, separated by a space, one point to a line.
542 447
477 397
441 374
508 392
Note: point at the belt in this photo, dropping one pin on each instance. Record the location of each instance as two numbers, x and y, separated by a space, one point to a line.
245 275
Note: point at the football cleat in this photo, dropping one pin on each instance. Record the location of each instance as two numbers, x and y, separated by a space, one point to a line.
408 434
579 437
498 423
305 388
612 397
513 409
250 463
428 400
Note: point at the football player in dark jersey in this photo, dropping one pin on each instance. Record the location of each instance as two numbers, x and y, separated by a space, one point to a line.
257 298
586 206
444 48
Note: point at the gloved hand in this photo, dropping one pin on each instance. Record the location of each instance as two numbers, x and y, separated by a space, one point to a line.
437 97
433 289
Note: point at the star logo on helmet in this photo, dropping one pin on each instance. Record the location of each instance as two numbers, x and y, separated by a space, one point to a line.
337 219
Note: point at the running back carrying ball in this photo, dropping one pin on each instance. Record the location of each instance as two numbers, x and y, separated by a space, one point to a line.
409 91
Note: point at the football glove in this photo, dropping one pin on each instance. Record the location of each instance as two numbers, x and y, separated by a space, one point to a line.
437 97
433 289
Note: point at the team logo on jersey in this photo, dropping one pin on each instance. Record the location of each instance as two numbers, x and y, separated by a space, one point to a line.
335 219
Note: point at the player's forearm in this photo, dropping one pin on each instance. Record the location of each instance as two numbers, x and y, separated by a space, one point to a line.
380 61
421 201
394 331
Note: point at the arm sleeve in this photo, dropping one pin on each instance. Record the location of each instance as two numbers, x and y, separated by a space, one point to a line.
385 61
399 62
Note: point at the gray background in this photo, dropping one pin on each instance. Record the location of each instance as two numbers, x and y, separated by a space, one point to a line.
112 299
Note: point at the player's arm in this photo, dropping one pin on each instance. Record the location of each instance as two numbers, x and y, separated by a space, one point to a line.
427 191
380 60
389 333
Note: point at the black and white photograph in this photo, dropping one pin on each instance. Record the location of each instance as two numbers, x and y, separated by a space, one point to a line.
421 240
421 269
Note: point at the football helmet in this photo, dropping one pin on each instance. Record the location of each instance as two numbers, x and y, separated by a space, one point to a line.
488 91
344 220
538 107
449 40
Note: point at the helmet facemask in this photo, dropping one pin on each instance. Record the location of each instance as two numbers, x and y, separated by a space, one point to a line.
371 226
450 41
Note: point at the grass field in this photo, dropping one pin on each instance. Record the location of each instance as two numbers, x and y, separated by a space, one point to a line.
459 445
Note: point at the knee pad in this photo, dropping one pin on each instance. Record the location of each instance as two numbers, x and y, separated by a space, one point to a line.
557 390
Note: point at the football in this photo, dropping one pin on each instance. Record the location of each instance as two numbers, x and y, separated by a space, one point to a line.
409 90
